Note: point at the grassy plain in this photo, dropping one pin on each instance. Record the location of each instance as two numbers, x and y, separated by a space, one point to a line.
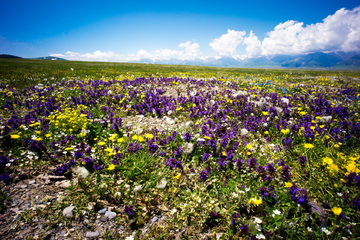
183 152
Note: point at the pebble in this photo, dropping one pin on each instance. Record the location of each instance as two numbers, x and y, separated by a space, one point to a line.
68 212
32 181
154 219
92 234
103 219
122 228
110 215
102 211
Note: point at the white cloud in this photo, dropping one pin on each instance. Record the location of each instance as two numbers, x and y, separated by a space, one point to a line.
191 52
226 45
253 45
337 32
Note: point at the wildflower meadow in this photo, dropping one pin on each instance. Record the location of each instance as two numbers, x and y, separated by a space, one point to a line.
187 154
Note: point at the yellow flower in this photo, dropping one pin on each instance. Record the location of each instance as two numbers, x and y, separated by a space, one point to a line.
255 201
15 136
285 131
120 140
303 113
149 136
308 145
265 113
249 146
336 146
206 137
178 176
108 149
141 139
336 210
288 184
334 167
327 160
111 167
101 143
68 149
266 132
135 137
48 135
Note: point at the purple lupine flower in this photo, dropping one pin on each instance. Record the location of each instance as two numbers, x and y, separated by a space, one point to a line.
233 218
173 163
213 214
187 136
302 160
204 175
239 164
205 156
178 152
270 168
252 163
129 210
244 229
355 202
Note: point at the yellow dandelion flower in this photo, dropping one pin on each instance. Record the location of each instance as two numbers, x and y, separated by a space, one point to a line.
336 210
111 167
308 145
14 136
288 184
178 176
101 143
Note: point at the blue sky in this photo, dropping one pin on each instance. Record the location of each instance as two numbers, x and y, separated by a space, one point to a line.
129 30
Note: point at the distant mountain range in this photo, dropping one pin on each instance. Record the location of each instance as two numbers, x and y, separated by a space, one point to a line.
48 58
332 60
39 58
317 60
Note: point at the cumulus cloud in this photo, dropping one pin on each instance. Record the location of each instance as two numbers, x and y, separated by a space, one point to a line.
253 45
337 32
191 51
226 45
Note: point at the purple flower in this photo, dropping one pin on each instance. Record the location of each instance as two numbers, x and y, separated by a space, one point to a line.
233 218
187 136
204 175
205 156
173 163
244 229
302 160
129 210
355 202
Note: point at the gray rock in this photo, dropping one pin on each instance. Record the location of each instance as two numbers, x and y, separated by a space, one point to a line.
102 211
63 184
110 215
154 219
122 228
92 234
322 213
32 181
103 219
68 212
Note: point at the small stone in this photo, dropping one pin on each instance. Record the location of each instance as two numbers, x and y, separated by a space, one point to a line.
62 233
92 234
102 211
154 219
122 228
68 212
103 219
219 235
110 215
63 184
322 213
32 182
